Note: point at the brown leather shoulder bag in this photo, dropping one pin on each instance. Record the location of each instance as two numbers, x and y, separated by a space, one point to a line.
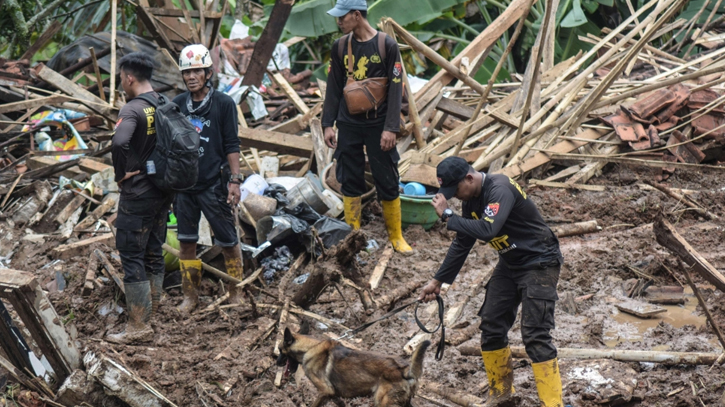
367 94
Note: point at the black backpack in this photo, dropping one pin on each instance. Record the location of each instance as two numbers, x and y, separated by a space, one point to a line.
176 156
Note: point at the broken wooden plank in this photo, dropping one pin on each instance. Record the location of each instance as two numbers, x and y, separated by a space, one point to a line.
109 201
158 34
279 142
91 269
43 166
72 206
381 266
110 271
82 247
318 143
566 185
69 87
640 309
92 166
668 237
119 381
38 315
33 103
290 92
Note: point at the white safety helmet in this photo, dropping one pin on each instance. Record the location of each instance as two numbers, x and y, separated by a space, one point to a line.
194 56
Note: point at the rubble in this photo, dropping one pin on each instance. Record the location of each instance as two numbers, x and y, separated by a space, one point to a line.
621 147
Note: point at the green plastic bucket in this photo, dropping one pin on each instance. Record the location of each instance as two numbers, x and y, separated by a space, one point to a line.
171 262
418 211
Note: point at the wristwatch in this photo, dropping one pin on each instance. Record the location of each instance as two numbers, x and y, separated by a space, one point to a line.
236 178
446 214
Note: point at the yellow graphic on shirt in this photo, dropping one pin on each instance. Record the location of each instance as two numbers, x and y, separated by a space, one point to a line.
375 59
499 242
396 80
150 126
361 71
516 184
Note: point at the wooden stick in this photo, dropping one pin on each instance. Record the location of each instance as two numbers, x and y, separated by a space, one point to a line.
461 399
10 191
90 275
574 229
222 275
681 198
434 56
703 304
97 71
491 80
382 265
114 18
536 59
666 358
110 271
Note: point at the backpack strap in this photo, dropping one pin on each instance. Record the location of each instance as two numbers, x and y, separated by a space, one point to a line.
349 56
341 46
162 100
381 45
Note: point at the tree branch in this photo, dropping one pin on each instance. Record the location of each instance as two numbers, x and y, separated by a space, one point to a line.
52 6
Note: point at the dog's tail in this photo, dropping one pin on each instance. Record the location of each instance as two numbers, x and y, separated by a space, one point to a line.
415 371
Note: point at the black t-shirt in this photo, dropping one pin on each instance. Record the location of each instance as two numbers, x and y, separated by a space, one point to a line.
367 63
134 139
508 221
217 129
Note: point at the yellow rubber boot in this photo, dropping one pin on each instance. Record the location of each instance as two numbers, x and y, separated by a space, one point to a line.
236 270
393 222
190 282
353 211
500 373
548 383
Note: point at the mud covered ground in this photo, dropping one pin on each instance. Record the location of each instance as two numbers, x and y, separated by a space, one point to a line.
225 357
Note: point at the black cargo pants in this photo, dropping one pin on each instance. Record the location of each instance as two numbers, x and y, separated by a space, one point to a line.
141 231
352 143
535 290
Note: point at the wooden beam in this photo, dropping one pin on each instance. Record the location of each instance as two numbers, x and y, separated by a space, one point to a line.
33 103
540 158
158 34
31 304
264 48
279 142
668 237
82 247
67 86
290 92
488 37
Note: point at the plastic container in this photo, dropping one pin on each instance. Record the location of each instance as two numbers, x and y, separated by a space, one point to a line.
332 202
255 184
414 188
306 191
418 211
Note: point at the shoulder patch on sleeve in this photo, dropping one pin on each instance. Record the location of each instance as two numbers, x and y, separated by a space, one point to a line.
492 209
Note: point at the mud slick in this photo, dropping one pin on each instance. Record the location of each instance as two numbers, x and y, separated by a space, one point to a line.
224 357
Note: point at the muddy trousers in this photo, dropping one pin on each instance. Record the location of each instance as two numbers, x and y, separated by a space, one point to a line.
141 231
352 143
535 290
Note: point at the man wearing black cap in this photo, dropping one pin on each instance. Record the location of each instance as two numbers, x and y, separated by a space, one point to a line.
497 211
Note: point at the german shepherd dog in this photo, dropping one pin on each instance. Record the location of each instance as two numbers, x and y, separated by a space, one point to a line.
340 372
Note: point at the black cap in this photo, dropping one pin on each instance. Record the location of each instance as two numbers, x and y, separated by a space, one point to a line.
450 172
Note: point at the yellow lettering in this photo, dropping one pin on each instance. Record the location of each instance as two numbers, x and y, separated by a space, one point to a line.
487 219
518 187
499 242
474 216
149 121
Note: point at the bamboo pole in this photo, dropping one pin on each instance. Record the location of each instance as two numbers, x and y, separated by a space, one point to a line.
491 80
412 107
112 95
534 78
703 304
666 358
434 56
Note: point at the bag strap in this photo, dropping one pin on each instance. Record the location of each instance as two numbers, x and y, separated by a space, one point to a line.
341 47
162 100
381 45
349 55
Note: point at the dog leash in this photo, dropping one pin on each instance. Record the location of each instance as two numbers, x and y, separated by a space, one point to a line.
441 308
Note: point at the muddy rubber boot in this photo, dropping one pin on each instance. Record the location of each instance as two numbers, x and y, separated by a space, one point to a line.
235 269
156 282
353 211
548 383
393 222
190 282
500 373
138 306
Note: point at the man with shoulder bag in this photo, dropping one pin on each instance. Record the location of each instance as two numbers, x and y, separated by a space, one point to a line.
363 98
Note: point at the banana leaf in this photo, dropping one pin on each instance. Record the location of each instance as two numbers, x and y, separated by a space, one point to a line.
422 12
576 16
311 19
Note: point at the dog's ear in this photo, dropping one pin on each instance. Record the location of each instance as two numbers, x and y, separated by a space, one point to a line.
304 328
288 337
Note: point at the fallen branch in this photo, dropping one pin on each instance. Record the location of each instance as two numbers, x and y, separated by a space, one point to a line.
681 198
574 229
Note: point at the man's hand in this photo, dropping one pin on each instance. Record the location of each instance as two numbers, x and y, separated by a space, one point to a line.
440 203
387 140
234 194
330 138
430 291
129 175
